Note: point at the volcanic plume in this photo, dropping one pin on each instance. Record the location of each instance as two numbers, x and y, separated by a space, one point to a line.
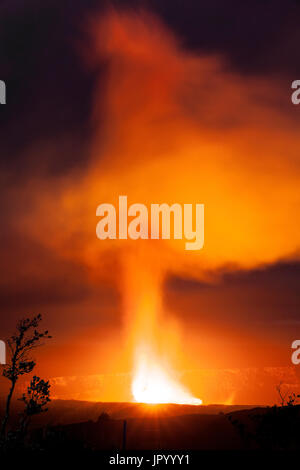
172 126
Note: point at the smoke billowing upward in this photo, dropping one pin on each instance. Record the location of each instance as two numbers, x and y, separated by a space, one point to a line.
171 126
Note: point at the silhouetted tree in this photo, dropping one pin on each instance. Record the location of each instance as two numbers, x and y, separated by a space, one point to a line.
36 400
20 345
275 427
287 398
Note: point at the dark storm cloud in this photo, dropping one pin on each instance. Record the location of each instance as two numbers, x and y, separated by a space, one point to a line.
48 89
34 274
35 279
267 296
255 36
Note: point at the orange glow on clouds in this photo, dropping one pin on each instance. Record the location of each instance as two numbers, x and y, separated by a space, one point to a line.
176 127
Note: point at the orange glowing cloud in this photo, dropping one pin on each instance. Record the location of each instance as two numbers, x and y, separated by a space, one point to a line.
173 126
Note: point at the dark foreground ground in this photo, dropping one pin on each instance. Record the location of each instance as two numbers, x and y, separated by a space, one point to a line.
112 428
